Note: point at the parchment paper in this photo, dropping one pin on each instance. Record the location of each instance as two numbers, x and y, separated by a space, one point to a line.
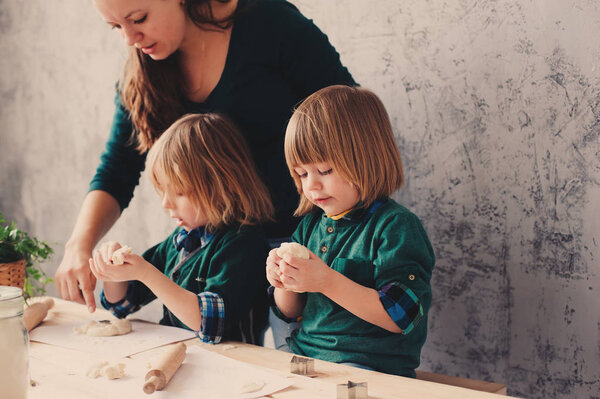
143 337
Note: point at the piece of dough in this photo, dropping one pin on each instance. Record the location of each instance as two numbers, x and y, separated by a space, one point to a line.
95 370
105 329
294 249
118 257
114 372
110 371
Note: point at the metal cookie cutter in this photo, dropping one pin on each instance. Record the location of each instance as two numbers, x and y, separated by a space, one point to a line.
352 390
302 366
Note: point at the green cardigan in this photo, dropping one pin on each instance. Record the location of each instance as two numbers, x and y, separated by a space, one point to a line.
277 57
232 265
388 246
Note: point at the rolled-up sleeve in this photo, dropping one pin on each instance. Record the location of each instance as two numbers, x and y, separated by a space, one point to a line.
403 267
119 309
403 306
212 309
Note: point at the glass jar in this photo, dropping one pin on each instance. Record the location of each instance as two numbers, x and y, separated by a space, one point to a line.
14 345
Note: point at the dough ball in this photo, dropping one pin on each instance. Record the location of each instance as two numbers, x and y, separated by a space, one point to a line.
118 257
294 249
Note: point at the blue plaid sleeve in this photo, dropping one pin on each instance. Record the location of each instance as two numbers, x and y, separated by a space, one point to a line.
120 309
212 325
402 305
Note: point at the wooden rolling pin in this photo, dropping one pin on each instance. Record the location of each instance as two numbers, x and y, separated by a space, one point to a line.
36 312
161 373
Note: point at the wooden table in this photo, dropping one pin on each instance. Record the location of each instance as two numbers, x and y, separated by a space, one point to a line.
380 385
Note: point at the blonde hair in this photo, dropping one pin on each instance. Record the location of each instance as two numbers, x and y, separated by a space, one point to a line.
349 128
205 157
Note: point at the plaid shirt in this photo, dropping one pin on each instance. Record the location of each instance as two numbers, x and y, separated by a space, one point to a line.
402 305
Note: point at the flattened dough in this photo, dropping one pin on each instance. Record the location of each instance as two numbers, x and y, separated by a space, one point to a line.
294 249
105 329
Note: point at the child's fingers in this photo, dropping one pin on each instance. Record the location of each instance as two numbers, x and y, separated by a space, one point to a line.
291 261
100 264
289 282
286 268
129 258
107 248
273 275
273 257
95 270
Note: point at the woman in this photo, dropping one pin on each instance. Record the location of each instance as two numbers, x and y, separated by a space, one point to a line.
251 60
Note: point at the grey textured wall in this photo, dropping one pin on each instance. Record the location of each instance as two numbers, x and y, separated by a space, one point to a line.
496 106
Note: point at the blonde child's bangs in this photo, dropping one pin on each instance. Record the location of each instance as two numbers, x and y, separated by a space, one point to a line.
164 163
303 143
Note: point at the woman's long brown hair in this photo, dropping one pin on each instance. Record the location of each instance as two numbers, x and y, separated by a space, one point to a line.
153 91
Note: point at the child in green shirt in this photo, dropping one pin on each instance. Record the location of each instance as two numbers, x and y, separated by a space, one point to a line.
208 272
364 293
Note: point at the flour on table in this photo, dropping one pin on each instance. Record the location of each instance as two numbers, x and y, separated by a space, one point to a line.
105 328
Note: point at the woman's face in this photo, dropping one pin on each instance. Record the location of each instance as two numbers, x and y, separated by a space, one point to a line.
156 27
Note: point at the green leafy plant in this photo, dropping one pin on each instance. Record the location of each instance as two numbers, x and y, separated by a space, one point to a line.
15 244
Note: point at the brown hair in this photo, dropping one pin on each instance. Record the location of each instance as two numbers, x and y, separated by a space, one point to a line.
152 91
205 157
349 128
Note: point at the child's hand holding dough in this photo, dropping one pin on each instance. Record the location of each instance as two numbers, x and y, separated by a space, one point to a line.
294 249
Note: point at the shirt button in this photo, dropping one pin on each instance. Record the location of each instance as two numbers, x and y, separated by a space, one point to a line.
411 277
323 249
330 229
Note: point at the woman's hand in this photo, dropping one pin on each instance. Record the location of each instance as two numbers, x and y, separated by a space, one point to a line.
273 272
304 275
74 279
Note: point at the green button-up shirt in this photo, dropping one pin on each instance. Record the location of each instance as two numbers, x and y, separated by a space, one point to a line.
388 246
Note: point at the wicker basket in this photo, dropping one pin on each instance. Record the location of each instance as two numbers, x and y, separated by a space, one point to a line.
13 273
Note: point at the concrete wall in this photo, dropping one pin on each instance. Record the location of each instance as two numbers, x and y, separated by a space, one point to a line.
496 107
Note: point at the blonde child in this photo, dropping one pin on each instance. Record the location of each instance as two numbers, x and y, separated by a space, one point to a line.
209 272
364 293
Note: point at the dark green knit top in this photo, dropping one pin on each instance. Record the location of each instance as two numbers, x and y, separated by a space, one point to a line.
277 57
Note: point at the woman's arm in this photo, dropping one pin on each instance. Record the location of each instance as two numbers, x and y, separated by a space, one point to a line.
74 280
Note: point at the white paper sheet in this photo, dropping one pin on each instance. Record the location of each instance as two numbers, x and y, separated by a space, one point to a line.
203 374
143 337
